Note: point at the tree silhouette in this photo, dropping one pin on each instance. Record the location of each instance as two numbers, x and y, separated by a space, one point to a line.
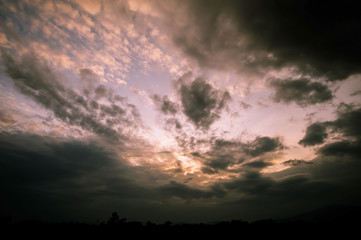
114 219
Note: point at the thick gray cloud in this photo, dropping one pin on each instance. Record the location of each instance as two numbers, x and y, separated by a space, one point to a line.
263 145
317 39
295 162
73 179
347 124
258 164
341 148
84 181
348 121
315 134
54 179
298 189
201 102
183 191
236 156
165 104
38 81
222 155
252 183
301 91
207 170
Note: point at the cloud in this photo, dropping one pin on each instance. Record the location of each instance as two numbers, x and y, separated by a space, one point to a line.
84 180
348 121
295 162
297 189
164 104
207 170
356 93
237 156
252 183
315 134
222 155
201 102
341 148
183 191
222 161
6 119
174 122
347 124
301 91
39 82
66 177
263 145
245 105
254 35
258 164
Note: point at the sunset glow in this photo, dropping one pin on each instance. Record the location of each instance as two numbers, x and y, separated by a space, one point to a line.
156 109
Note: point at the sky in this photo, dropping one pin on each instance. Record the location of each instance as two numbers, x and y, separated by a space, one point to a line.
180 110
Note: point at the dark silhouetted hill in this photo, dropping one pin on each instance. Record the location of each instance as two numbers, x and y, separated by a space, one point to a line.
331 214
335 221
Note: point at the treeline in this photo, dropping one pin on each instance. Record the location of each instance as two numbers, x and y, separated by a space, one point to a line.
121 228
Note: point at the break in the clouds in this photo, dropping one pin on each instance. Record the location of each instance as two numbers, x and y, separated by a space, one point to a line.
178 110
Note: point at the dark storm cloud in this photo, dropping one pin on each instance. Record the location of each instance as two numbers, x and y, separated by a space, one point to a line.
348 121
165 104
252 183
207 170
38 81
263 145
346 124
301 91
258 164
326 182
223 154
341 148
201 102
48 178
316 133
174 189
330 178
318 39
229 155
295 162
222 161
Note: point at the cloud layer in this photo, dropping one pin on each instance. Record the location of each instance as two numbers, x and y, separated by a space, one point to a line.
178 110
301 91
39 82
246 36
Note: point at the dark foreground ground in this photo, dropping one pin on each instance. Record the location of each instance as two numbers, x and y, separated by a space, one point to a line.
335 223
